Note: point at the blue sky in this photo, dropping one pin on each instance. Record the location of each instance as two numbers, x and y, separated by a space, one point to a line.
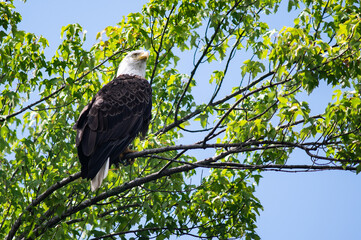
321 205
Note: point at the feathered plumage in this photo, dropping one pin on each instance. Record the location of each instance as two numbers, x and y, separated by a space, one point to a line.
111 121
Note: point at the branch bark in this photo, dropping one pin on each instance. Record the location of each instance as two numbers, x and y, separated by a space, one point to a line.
211 162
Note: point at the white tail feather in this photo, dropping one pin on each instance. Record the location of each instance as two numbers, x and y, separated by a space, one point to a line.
98 179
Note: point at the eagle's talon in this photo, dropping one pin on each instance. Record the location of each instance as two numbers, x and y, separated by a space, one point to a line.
128 161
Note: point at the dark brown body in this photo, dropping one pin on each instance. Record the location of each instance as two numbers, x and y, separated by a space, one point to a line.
110 122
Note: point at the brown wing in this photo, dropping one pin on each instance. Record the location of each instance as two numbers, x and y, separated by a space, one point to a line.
111 121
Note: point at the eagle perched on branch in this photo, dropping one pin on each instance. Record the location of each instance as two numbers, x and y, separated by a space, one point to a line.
115 116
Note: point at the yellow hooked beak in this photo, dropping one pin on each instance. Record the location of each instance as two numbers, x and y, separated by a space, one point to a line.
143 56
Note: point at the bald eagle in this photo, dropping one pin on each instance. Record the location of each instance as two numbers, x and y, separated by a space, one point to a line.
115 116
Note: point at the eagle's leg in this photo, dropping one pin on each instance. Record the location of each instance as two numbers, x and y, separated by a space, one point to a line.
126 162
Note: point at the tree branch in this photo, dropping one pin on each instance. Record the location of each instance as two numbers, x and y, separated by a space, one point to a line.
207 163
276 167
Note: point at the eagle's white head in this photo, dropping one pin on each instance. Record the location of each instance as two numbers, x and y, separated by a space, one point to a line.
134 63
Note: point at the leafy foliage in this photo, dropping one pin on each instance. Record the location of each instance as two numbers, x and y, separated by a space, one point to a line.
248 123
